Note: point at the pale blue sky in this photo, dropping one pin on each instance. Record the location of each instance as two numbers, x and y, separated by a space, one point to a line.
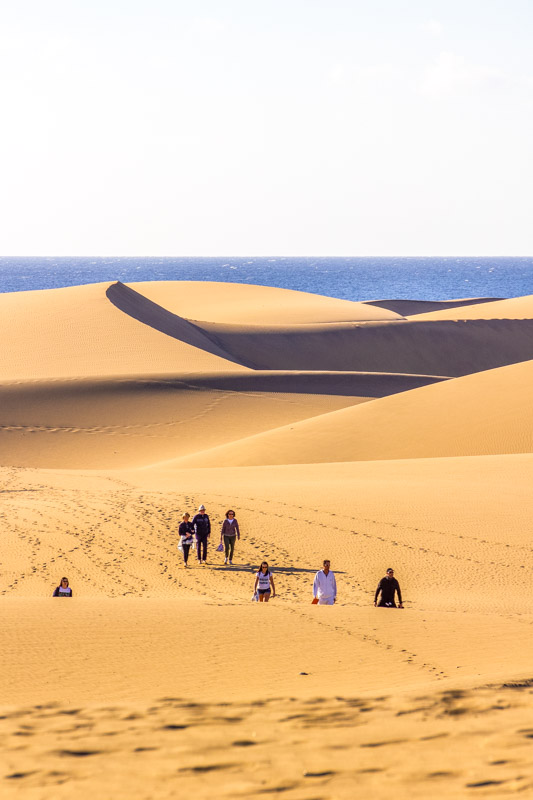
301 127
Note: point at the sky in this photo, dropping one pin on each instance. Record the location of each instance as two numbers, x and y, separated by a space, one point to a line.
266 127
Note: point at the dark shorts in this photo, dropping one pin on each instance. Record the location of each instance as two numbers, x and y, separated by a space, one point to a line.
264 591
387 605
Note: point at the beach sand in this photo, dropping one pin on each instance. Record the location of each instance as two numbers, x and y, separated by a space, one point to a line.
394 434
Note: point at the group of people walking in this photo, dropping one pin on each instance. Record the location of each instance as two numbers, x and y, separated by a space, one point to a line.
196 532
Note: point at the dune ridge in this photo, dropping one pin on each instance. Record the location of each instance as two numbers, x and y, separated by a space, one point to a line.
246 304
77 332
155 316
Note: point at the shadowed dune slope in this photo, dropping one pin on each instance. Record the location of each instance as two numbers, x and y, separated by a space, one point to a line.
423 348
484 414
79 332
247 304
160 319
137 421
409 308
511 308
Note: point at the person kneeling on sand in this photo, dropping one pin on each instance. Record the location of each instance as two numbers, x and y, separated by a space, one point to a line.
325 586
63 590
263 582
388 586
230 531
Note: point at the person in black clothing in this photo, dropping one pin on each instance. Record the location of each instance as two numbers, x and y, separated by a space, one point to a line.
186 531
202 528
388 586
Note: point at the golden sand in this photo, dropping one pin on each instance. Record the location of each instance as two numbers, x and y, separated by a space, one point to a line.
374 435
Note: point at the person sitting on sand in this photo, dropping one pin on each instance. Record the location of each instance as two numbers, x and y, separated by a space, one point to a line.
230 531
186 531
263 582
388 586
63 590
202 528
325 586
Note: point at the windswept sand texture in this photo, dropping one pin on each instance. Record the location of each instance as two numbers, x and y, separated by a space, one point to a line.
335 429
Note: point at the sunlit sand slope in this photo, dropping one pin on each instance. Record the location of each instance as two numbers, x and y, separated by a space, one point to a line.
512 308
404 692
82 331
442 523
482 414
447 744
254 305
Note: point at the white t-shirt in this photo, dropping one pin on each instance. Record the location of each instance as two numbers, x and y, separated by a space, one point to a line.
264 580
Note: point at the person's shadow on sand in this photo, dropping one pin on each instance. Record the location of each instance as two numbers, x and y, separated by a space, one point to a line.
277 570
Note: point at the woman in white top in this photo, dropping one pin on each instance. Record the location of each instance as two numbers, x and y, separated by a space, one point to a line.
263 582
63 590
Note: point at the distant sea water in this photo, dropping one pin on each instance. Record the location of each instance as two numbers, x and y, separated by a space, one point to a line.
347 278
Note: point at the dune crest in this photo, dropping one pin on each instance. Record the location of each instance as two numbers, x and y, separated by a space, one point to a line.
77 333
247 304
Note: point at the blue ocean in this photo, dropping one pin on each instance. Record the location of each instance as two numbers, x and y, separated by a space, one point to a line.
347 278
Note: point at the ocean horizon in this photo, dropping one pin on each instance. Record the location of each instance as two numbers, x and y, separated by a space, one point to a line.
349 278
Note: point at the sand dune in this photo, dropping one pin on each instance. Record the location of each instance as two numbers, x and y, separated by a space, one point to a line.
512 308
245 304
124 422
334 429
79 332
483 414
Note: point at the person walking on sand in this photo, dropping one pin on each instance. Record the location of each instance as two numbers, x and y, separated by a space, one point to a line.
186 531
388 586
63 590
325 586
263 582
202 529
230 531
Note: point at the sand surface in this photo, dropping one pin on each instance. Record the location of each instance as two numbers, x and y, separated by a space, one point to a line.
122 406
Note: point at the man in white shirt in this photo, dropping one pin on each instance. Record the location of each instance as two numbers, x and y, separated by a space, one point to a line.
325 586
